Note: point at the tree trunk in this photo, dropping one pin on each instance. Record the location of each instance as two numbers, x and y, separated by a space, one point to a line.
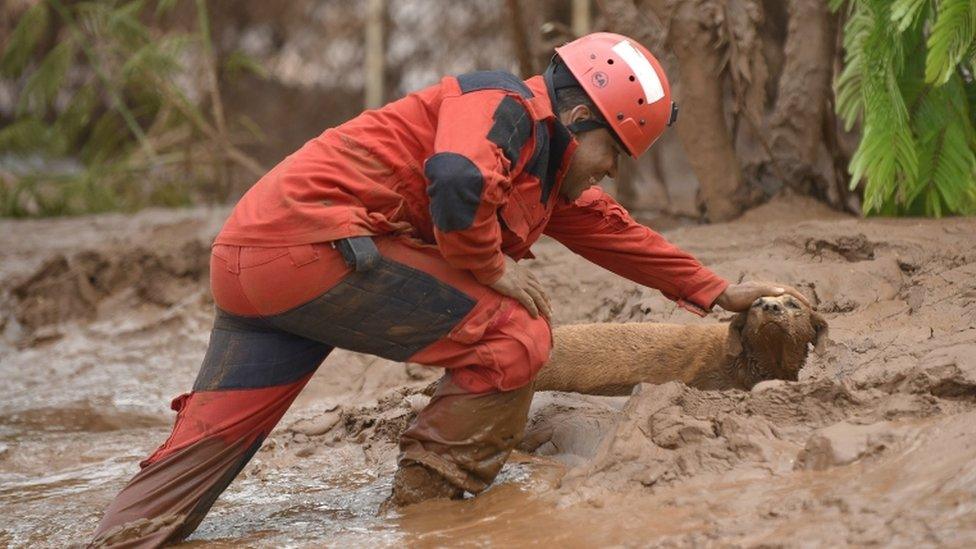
803 99
701 125
375 54
722 55
520 39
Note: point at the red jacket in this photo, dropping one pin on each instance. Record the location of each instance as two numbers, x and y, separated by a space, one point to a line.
473 164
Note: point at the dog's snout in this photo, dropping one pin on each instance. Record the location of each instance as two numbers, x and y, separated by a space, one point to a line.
772 306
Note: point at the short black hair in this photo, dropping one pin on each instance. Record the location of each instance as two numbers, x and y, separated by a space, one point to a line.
568 98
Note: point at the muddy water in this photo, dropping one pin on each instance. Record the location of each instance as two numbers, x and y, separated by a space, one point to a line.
105 319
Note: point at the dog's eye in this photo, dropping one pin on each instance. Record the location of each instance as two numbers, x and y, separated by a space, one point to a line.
792 304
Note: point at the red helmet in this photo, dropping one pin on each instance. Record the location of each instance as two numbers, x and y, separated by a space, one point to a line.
626 83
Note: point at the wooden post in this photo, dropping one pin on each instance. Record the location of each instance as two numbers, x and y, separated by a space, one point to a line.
581 17
520 39
375 11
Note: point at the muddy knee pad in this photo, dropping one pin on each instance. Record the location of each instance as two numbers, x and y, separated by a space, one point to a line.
513 353
466 437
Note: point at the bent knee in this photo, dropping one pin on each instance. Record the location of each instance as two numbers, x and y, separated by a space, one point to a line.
534 338
513 354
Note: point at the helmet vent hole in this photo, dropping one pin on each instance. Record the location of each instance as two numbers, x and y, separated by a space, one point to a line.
640 101
632 78
609 61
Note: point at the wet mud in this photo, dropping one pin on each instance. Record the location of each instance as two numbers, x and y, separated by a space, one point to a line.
105 319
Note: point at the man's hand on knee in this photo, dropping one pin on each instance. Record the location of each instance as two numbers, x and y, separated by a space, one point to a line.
520 284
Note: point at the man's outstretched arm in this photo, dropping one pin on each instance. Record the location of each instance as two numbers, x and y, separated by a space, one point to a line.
596 227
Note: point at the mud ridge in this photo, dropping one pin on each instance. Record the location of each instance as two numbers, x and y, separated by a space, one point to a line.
71 287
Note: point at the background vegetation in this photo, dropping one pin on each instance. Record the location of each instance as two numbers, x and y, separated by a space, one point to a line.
101 120
867 105
908 79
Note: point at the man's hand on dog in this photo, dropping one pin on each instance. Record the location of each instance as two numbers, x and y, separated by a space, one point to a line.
739 297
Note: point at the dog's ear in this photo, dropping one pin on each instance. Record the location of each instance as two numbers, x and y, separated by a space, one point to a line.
819 332
735 334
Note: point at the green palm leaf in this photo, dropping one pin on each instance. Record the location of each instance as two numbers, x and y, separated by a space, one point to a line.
951 38
904 13
902 81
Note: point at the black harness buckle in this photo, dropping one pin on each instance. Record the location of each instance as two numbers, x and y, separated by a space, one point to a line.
359 252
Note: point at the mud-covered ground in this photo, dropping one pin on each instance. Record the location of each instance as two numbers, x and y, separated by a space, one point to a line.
105 319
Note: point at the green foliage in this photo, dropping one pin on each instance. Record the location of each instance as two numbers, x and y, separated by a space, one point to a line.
101 122
31 27
43 85
908 80
953 34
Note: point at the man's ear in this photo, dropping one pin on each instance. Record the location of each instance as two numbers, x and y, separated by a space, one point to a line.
735 334
820 332
580 112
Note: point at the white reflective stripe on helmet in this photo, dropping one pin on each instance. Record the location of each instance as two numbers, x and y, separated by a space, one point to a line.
645 73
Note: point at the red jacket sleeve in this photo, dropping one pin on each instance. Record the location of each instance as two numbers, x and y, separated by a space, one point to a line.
481 136
599 229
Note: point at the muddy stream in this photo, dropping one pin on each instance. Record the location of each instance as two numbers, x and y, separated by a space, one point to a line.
105 319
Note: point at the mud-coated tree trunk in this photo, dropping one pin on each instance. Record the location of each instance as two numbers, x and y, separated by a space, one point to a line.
803 125
702 124
799 150
713 159
746 141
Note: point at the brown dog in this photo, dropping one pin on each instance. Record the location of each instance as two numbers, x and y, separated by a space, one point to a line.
770 341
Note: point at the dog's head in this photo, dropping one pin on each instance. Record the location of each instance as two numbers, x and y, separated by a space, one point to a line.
774 336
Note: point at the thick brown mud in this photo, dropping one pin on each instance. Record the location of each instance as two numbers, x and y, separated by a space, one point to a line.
105 319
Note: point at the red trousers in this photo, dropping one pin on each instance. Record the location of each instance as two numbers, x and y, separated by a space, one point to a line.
280 312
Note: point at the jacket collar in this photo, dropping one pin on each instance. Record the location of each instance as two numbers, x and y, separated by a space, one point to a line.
560 143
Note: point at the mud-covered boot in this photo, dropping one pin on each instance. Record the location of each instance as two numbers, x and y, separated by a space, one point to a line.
414 483
465 438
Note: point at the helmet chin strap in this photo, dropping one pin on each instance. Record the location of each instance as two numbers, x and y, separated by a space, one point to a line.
588 125
557 76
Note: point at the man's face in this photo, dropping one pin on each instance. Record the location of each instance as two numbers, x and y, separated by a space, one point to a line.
594 159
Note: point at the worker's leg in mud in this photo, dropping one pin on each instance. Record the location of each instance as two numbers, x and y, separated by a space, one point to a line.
477 415
250 375
406 304
248 380
464 437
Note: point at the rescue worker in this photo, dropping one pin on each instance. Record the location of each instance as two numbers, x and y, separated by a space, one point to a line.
397 234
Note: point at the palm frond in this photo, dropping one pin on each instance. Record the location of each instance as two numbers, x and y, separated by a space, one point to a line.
848 89
905 13
910 83
887 153
951 38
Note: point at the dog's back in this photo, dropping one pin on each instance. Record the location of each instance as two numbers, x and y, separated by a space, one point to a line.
610 359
